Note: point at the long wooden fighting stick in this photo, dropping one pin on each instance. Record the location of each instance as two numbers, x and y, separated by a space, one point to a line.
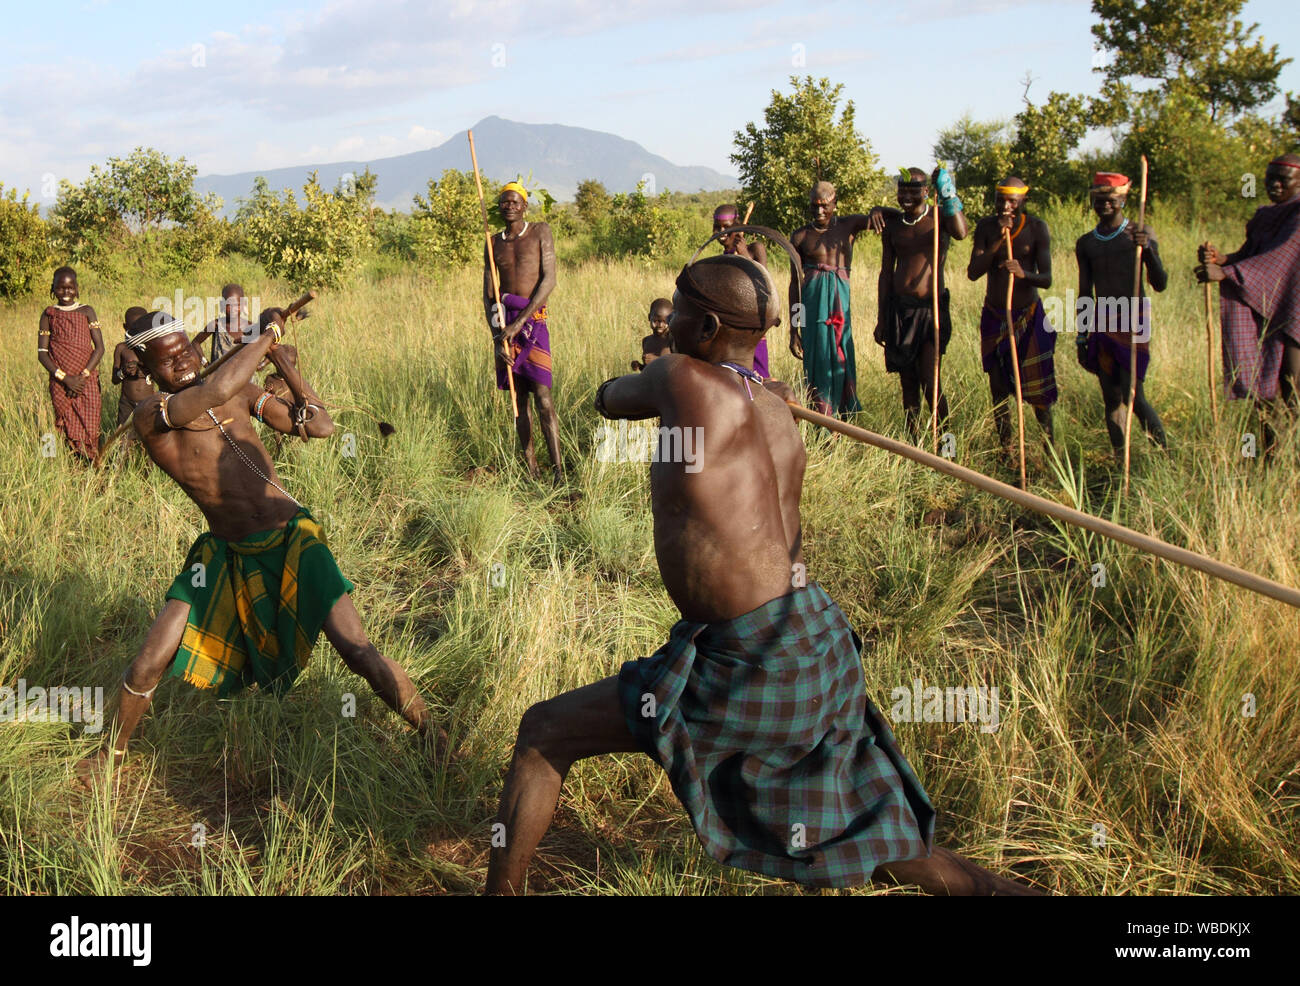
1015 361
934 277
1209 353
288 314
498 311
1023 498
1134 318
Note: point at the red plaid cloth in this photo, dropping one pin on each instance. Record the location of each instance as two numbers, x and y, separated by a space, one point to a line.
1259 301
77 418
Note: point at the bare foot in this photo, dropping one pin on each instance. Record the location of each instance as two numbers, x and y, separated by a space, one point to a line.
93 770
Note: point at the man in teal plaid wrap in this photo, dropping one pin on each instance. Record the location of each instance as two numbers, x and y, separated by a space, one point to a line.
755 706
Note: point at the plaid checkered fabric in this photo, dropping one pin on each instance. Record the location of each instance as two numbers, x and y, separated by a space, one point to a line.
770 743
256 606
1259 299
1035 346
71 344
1105 349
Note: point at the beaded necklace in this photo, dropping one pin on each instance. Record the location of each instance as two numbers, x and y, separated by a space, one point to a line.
1110 236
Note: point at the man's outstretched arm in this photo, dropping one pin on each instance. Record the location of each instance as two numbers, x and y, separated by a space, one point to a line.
635 396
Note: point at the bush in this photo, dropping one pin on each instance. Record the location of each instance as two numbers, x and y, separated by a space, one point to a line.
320 244
641 227
24 244
446 226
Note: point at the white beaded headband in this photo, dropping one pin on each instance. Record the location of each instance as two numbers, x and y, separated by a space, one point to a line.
142 339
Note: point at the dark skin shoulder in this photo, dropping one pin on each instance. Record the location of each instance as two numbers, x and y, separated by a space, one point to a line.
194 452
728 534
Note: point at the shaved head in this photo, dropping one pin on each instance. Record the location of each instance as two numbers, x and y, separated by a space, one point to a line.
735 289
822 190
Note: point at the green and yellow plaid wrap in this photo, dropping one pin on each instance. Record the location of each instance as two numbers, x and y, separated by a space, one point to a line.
256 606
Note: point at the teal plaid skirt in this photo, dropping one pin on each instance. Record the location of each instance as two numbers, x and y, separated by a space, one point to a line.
771 744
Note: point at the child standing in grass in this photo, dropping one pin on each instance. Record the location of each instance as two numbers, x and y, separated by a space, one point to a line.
658 342
129 374
69 346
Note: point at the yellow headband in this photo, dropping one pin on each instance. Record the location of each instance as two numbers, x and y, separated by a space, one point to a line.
514 186
1013 189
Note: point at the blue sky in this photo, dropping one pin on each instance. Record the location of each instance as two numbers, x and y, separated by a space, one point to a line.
246 85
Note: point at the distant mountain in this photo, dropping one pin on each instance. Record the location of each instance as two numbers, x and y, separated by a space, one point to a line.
559 157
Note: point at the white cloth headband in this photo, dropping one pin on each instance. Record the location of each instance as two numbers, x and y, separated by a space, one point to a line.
142 339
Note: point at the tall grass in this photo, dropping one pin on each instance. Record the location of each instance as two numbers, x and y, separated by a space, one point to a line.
1123 762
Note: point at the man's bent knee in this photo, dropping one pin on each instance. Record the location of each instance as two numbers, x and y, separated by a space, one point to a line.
538 729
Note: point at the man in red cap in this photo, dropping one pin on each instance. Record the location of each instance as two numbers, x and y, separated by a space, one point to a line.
1259 297
1110 322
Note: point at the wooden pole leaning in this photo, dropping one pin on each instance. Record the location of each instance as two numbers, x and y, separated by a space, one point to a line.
1058 511
934 287
1015 362
498 313
1134 302
1209 353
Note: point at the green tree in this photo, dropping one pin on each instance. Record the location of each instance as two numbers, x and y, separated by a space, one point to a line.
592 201
1046 136
801 136
145 204
1200 44
318 245
24 244
447 222
979 153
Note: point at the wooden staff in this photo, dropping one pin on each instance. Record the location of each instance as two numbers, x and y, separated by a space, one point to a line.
749 211
1023 498
1015 361
120 430
934 272
1135 301
498 311
1209 353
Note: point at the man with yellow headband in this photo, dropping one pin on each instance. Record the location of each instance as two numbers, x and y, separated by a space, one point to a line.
1110 321
524 255
1030 265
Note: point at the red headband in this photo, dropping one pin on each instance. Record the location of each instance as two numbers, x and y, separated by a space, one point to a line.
1109 179
1284 164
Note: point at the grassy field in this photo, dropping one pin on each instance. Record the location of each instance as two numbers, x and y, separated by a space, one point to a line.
1124 761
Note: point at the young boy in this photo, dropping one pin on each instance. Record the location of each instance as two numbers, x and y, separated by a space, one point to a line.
229 328
257 590
658 342
755 706
1106 256
130 375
